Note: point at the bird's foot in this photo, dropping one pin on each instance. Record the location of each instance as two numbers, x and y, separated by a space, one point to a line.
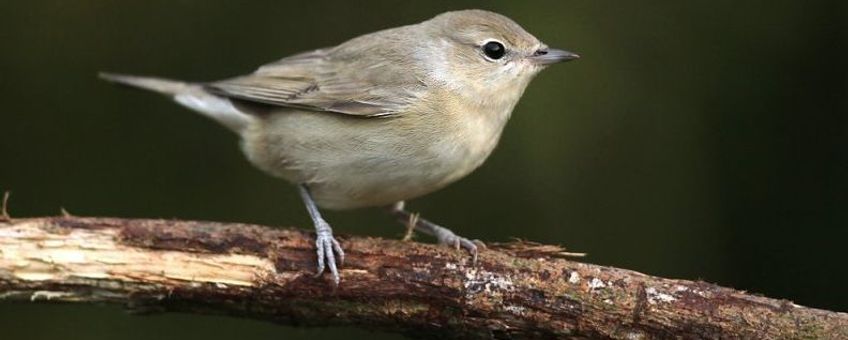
443 235
327 248
447 237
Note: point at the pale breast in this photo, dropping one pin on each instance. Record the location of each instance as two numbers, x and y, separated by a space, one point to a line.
351 162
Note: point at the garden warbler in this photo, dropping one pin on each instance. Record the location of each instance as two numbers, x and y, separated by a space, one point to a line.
379 119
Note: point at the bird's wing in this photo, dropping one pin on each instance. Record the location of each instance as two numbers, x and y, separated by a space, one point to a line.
348 82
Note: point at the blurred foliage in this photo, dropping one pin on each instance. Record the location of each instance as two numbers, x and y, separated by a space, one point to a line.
698 139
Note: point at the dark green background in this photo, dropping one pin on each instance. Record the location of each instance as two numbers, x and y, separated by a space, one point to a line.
698 139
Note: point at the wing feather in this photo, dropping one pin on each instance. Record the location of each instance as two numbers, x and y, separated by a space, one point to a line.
354 81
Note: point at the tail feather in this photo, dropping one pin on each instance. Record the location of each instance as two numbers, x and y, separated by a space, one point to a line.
189 95
165 86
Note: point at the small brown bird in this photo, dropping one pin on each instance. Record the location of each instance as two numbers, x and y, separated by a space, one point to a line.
379 119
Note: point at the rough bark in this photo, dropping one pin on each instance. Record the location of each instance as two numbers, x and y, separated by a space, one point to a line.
517 291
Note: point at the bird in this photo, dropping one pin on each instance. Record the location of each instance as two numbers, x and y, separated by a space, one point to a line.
377 120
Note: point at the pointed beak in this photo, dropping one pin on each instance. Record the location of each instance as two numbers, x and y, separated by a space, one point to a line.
548 56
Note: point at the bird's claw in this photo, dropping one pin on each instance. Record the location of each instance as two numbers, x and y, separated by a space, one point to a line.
327 249
450 239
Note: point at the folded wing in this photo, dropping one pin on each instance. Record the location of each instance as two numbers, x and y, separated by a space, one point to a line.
369 83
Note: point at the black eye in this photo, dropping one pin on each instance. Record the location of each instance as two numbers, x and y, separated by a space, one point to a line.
494 50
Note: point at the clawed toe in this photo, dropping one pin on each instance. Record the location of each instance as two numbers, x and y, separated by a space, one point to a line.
444 235
327 249
458 242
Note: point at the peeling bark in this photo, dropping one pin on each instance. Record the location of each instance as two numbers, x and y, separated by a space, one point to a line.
516 291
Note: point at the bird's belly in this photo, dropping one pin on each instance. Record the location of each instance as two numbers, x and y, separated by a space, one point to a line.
353 162
381 182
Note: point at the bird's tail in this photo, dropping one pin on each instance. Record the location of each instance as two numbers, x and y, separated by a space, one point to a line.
190 95
164 86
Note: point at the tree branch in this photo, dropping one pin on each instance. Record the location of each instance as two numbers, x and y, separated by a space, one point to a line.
518 290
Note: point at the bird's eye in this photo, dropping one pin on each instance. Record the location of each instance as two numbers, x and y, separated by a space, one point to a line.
494 50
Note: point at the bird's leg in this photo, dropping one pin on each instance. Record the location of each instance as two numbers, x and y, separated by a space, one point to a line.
327 246
443 235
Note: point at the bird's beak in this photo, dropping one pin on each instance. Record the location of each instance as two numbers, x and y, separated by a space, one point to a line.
548 56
